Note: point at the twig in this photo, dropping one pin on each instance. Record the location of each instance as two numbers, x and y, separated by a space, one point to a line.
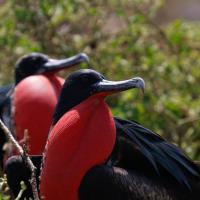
23 188
26 158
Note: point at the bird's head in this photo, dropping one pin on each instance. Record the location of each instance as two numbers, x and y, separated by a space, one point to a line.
85 83
38 63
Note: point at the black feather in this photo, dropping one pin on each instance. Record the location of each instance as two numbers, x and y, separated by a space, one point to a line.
4 91
159 152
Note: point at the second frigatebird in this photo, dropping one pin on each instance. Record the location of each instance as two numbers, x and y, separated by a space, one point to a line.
33 97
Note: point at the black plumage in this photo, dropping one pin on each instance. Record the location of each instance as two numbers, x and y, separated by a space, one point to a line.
5 110
107 182
160 153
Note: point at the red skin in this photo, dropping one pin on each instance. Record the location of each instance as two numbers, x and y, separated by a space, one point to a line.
34 101
82 138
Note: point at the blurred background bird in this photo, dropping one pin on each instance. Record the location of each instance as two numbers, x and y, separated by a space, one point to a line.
25 104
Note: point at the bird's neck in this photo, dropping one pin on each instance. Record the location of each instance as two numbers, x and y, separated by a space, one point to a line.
82 138
56 81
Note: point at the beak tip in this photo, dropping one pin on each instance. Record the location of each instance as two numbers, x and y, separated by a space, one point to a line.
141 84
85 57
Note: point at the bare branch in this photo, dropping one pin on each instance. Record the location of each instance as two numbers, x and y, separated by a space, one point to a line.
26 158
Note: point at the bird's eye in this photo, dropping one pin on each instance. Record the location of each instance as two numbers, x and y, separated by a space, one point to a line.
85 79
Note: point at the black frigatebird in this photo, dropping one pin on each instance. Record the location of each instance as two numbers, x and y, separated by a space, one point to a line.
33 97
142 165
85 160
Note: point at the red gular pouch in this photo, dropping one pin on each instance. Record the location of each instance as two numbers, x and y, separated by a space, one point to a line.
34 101
83 138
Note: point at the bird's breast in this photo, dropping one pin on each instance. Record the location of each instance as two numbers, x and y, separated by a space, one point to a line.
82 138
34 102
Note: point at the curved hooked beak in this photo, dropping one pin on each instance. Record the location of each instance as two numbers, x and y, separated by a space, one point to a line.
108 87
56 65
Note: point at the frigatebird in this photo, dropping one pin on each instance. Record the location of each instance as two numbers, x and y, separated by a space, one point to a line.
33 97
85 160
142 165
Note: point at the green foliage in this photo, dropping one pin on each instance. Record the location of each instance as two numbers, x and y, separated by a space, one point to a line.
123 41
4 190
23 188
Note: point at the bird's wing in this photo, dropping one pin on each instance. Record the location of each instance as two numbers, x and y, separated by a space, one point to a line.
4 92
4 115
5 107
158 152
107 182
